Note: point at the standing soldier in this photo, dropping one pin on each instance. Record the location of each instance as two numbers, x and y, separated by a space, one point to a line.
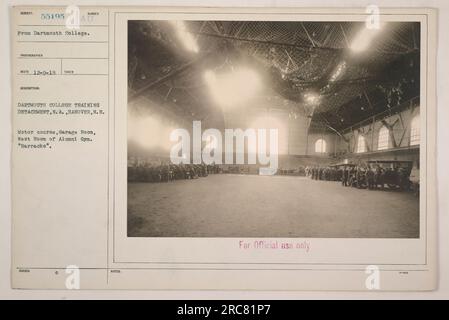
370 178
344 177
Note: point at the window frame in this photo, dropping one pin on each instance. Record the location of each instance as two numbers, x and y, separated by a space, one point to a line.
322 148
359 139
415 133
383 138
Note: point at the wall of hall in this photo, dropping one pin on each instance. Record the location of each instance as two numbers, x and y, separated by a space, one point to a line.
294 136
296 142
399 144
400 128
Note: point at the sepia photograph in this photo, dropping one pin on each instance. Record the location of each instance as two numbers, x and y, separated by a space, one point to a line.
279 129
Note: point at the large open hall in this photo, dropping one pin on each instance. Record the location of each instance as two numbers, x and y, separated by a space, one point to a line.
273 129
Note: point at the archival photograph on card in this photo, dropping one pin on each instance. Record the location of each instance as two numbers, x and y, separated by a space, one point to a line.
273 129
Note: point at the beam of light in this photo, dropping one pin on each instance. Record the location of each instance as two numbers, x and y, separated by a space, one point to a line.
149 132
186 38
270 121
363 38
234 88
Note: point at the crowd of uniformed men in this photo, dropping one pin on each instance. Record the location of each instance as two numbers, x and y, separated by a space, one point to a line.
363 176
169 172
359 176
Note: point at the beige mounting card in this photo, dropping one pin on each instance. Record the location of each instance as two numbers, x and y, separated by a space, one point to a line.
109 193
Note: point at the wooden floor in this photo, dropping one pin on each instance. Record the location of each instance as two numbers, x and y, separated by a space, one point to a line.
268 206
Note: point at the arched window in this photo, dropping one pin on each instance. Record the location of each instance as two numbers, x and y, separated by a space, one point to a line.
361 144
384 138
414 131
320 146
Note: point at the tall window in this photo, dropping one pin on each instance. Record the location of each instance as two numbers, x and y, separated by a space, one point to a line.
414 131
361 144
384 138
320 146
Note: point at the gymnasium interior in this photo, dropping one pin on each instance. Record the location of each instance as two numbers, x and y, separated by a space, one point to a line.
343 96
